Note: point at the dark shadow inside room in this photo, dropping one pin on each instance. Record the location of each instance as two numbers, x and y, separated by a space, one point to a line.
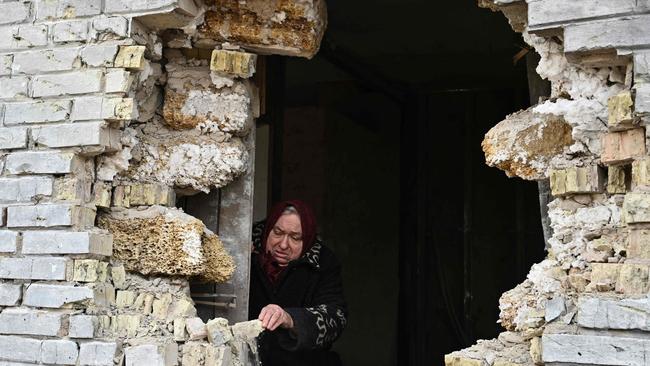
381 133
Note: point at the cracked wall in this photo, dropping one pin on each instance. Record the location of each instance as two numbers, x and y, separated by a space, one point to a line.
587 302
111 110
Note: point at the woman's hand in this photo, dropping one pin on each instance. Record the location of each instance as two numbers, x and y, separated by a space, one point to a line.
273 316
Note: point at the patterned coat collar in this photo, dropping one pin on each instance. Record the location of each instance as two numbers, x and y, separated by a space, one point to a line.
311 257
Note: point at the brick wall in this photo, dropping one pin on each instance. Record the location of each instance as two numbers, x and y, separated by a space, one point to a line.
101 124
587 302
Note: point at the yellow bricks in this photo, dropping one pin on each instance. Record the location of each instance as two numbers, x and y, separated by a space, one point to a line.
636 208
577 180
616 179
143 195
130 57
620 111
237 63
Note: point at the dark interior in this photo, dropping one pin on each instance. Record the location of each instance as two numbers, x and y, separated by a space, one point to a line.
381 132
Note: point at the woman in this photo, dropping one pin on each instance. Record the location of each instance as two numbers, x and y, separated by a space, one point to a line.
295 290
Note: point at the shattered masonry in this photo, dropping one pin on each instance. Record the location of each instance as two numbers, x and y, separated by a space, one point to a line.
109 111
587 302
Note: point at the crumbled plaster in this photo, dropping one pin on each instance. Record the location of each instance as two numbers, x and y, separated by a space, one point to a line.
185 159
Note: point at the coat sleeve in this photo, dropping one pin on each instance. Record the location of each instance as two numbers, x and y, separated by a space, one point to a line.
319 326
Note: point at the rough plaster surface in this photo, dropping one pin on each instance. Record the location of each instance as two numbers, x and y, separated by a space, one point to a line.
160 240
285 27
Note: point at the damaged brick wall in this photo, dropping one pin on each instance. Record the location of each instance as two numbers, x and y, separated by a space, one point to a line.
587 302
109 111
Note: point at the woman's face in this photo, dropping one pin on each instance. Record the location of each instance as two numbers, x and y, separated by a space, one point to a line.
285 239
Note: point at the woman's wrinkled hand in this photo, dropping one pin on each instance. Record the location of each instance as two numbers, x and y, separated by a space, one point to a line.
273 316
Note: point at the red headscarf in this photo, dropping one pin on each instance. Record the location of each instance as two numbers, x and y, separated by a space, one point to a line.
308 226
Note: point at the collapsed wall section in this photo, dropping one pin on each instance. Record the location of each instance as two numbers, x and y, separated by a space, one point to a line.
587 302
109 110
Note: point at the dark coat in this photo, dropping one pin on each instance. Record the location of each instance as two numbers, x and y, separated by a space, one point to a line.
311 291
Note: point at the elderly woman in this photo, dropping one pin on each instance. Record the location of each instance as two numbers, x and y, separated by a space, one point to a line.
295 289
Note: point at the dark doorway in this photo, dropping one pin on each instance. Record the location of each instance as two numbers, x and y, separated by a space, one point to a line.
381 133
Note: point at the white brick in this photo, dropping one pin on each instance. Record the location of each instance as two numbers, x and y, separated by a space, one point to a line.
127 6
22 321
48 9
642 98
611 33
49 215
36 112
11 87
5 64
99 55
14 12
594 349
62 242
118 81
55 296
73 134
34 62
59 352
541 12
82 326
8 241
151 354
14 348
42 162
13 138
24 189
30 36
72 31
10 294
642 65
76 82
107 26
97 353
89 108
36 268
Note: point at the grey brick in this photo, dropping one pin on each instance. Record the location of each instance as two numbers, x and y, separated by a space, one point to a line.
10 294
99 55
24 189
82 326
21 321
20 349
546 13
59 352
14 12
72 31
30 36
13 138
11 87
34 62
642 65
35 268
118 81
76 82
61 242
594 349
55 296
127 6
36 112
607 34
97 353
108 26
642 98
151 354
47 9
42 162
73 134
5 64
8 241
49 215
